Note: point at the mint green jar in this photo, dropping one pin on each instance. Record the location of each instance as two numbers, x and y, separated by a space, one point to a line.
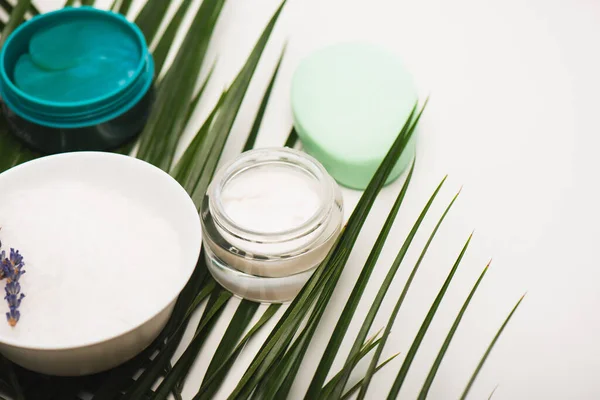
349 103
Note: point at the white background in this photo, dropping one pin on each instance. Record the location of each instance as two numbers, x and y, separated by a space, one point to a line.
513 117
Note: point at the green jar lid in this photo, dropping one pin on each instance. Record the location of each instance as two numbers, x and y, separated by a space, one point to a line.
349 102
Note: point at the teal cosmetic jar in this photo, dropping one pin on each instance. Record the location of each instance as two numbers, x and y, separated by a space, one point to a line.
76 79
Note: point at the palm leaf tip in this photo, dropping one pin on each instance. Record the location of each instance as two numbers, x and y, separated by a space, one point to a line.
493 391
396 386
442 352
251 140
407 285
359 384
489 349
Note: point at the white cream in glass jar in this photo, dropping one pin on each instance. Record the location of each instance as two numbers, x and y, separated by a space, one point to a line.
270 217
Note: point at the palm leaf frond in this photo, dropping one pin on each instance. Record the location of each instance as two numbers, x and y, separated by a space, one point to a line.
114 6
263 107
151 16
240 320
489 350
163 130
215 377
360 383
292 139
189 166
125 6
184 363
281 336
166 40
198 96
448 340
369 345
347 314
424 327
17 16
375 360
219 131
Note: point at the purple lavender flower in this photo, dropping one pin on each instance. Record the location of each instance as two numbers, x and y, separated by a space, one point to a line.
13 316
16 259
12 288
11 268
2 264
13 300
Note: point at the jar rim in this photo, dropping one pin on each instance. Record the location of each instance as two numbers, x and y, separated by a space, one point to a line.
258 157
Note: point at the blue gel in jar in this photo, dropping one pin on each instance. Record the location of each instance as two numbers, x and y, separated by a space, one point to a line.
76 79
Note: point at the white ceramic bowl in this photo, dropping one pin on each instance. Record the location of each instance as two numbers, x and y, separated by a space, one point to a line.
146 260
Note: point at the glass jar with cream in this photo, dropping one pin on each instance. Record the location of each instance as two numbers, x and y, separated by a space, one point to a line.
269 218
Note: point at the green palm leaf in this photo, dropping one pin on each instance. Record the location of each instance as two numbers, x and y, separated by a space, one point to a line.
125 6
284 331
16 17
444 348
360 383
489 350
369 345
424 326
159 139
240 320
12 152
246 309
149 376
150 17
368 321
361 283
292 139
166 40
216 377
184 363
208 288
263 107
186 169
198 96
219 131
492 393
319 308
375 360
167 341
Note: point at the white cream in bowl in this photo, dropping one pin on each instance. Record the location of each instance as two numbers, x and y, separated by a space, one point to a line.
108 243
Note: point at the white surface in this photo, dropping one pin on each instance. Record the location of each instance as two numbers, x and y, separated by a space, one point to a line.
513 116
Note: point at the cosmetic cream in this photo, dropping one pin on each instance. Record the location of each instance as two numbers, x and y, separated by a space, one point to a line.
270 217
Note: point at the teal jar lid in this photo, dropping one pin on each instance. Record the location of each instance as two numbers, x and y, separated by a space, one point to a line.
74 68
349 102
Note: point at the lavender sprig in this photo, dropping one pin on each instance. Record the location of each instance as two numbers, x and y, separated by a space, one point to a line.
11 268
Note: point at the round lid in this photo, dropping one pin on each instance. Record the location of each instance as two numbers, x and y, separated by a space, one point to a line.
350 101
